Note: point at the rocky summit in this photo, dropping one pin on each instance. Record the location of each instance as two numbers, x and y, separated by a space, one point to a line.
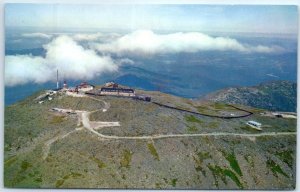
274 95
169 142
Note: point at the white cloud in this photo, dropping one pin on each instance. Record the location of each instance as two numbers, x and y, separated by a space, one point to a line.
21 69
62 53
37 35
266 49
76 62
87 37
125 60
92 37
147 42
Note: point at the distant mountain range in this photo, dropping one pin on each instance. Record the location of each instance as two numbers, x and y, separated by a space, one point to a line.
274 95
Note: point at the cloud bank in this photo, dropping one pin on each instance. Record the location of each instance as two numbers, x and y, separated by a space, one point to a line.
147 42
37 35
21 69
95 37
87 37
62 53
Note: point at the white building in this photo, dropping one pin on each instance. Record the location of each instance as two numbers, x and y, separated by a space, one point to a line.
117 91
254 124
84 87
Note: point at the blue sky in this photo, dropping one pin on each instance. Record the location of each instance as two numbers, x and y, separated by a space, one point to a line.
216 18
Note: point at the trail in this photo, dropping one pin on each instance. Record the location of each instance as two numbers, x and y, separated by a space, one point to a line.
106 105
86 124
82 117
47 145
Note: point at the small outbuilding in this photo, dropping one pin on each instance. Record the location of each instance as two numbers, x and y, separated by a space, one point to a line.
255 125
84 87
111 84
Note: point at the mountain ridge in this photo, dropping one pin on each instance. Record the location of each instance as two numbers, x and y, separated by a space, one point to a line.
273 95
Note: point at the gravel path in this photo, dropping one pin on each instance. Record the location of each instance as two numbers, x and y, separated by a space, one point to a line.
83 117
86 124
48 143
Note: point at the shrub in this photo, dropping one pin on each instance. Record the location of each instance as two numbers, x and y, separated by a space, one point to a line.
127 155
275 168
153 151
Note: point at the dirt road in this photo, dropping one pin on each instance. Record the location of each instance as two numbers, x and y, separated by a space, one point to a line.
86 124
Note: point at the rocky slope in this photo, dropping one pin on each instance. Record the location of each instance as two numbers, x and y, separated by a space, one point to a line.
153 148
275 96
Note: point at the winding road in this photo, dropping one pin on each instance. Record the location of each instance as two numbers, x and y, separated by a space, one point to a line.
83 117
86 124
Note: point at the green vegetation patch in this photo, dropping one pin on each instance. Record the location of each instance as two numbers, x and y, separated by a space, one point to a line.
202 109
38 180
73 175
20 176
127 155
286 157
215 108
193 119
57 119
25 165
173 182
200 157
100 163
10 161
275 168
192 129
213 124
158 186
220 106
218 172
233 162
203 155
249 160
153 151
7 147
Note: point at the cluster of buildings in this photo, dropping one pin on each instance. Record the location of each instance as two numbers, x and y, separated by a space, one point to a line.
109 89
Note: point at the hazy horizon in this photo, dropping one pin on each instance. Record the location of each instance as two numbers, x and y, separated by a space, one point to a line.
217 18
128 42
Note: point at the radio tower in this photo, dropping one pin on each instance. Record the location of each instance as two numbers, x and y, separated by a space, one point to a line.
57 83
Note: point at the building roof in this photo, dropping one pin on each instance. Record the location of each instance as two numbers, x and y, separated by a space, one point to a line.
83 84
111 89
